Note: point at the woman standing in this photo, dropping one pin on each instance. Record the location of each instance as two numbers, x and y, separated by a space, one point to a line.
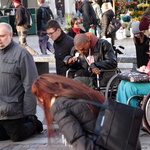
107 16
75 28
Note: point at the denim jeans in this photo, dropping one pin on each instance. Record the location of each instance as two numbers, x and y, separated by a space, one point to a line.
44 44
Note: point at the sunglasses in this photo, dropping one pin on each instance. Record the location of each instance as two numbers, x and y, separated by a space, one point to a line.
77 23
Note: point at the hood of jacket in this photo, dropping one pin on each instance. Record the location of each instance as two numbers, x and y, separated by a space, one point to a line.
44 5
93 38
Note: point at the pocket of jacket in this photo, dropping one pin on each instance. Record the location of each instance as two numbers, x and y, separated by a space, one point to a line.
8 66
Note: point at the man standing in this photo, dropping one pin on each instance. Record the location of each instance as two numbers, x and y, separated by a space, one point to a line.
42 18
78 4
89 16
59 7
63 43
20 22
17 103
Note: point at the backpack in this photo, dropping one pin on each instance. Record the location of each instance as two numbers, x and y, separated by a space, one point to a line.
28 19
46 14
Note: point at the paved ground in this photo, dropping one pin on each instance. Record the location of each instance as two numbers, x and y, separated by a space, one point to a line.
39 141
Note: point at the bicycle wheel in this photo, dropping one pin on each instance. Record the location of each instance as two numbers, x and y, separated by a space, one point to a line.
112 87
146 109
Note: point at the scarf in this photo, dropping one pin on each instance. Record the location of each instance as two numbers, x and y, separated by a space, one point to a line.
76 30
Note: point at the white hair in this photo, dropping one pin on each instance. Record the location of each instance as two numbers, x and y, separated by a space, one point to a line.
8 26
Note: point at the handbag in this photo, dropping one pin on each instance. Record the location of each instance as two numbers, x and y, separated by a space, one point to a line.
113 26
117 126
134 76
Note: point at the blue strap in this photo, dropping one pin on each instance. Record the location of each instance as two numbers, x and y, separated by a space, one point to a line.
100 118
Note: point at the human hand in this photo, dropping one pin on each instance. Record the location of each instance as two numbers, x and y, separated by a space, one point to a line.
71 60
142 68
95 70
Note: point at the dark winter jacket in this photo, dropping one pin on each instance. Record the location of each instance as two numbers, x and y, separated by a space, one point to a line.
105 21
62 45
20 18
141 51
40 17
75 121
72 33
59 6
88 13
104 58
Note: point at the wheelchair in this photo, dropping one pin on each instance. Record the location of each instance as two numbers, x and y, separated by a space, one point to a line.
143 101
106 82
144 104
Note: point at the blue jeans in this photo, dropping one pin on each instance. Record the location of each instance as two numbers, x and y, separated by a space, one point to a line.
60 15
127 89
44 44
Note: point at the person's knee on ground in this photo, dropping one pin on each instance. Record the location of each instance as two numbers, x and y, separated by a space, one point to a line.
30 126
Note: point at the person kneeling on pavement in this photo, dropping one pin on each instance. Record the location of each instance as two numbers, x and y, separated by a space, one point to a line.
17 103
94 55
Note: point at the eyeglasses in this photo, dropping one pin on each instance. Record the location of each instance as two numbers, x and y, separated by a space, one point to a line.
77 23
50 34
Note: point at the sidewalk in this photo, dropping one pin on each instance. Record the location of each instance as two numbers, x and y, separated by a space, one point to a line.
39 141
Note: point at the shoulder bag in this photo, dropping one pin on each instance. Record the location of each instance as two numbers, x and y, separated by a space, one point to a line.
117 126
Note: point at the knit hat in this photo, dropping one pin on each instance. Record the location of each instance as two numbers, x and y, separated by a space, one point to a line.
135 27
144 23
17 1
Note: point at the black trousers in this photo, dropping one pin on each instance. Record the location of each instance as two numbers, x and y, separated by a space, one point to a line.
16 130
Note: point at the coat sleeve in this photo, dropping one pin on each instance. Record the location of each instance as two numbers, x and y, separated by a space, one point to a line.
105 22
71 129
39 18
28 75
108 58
20 20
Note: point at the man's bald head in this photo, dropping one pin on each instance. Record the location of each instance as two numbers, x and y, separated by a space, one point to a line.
80 39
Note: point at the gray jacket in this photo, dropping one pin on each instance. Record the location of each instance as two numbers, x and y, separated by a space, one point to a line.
17 73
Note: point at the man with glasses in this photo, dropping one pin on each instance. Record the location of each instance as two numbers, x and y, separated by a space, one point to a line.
94 55
63 44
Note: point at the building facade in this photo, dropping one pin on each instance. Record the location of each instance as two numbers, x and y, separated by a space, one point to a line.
69 5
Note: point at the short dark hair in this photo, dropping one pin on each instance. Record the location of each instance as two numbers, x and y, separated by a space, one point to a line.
52 24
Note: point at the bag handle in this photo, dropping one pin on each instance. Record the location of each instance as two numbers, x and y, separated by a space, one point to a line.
100 117
103 105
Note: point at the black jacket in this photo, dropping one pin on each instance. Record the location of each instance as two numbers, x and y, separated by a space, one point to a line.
141 51
72 33
104 58
62 45
105 21
75 121
40 17
88 13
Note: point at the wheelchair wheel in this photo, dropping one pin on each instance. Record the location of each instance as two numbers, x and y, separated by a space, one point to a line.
146 108
112 87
